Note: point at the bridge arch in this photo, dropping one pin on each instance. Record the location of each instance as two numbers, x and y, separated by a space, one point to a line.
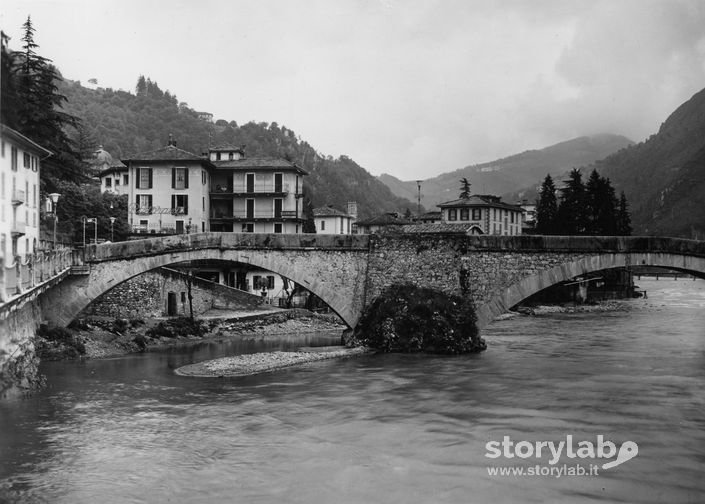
522 289
333 280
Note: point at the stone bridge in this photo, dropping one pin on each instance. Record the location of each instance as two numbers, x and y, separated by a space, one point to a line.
349 271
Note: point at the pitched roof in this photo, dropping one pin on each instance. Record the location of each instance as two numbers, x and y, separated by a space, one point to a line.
249 163
387 219
477 200
26 142
440 227
168 153
227 148
329 211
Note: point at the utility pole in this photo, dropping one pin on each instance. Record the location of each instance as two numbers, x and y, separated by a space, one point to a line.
418 201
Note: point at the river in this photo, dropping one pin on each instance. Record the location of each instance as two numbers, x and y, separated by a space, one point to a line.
381 428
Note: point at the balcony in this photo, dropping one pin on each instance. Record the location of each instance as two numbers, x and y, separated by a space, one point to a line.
18 229
264 216
18 197
257 189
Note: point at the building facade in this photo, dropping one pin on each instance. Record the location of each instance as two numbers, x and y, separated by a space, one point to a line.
168 191
330 220
254 194
112 173
486 213
381 223
20 166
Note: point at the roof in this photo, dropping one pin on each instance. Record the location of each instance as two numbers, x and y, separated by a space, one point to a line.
227 148
329 211
483 200
22 140
116 168
440 228
387 219
258 163
168 153
429 215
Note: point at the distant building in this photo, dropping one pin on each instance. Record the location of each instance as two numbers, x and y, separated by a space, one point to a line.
113 173
20 166
529 222
169 191
205 116
488 213
429 218
254 194
380 223
330 220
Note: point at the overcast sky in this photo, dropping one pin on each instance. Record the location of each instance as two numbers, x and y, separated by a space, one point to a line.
412 88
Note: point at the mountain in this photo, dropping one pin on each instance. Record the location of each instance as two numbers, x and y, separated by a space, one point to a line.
125 124
664 177
511 173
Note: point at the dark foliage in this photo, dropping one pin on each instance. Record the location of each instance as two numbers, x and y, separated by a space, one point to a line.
173 328
406 318
547 209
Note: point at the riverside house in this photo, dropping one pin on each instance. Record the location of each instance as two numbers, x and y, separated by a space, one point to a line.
330 220
168 191
20 160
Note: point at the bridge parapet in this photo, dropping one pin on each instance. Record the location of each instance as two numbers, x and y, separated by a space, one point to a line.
24 273
223 241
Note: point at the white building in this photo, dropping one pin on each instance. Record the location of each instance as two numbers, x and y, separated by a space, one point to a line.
20 163
113 173
168 191
330 220
488 214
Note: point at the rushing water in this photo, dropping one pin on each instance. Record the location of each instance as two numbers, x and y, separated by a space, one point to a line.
381 428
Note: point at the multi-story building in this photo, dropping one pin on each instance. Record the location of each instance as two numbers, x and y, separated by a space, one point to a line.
330 220
255 194
169 191
486 213
20 163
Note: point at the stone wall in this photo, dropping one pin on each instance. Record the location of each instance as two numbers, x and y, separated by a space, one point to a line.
18 361
146 296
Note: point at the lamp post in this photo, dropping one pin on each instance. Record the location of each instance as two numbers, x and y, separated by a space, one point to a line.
112 224
94 220
54 206
83 220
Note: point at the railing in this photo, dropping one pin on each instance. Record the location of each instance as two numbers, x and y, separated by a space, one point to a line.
263 214
162 230
244 188
25 273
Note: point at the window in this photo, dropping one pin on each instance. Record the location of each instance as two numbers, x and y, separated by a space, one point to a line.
144 204
452 214
270 281
250 205
34 195
179 178
203 177
248 227
117 181
3 148
277 227
125 179
323 225
217 156
179 204
203 202
27 160
13 158
465 213
476 213
108 182
144 178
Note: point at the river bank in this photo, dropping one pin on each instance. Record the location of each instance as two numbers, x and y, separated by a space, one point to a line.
102 338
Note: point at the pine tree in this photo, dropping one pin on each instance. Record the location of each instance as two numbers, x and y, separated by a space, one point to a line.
600 206
141 87
571 210
624 220
547 208
464 188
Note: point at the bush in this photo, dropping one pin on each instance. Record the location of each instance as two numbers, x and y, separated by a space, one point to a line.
406 318
120 325
182 326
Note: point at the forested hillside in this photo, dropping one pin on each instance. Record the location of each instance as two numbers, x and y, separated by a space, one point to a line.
664 177
514 172
125 124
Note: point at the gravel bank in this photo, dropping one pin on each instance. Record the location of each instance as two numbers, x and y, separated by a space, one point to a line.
249 364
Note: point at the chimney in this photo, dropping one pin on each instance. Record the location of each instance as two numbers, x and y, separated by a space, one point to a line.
352 209
172 142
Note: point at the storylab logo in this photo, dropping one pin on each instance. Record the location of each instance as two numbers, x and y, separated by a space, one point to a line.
587 458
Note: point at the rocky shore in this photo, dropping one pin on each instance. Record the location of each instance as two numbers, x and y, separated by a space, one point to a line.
249 364
602 306
101 338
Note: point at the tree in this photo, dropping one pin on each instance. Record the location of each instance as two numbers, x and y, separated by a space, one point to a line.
465 188
547 208
141 87
571 211
600 206
624 220
38 112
